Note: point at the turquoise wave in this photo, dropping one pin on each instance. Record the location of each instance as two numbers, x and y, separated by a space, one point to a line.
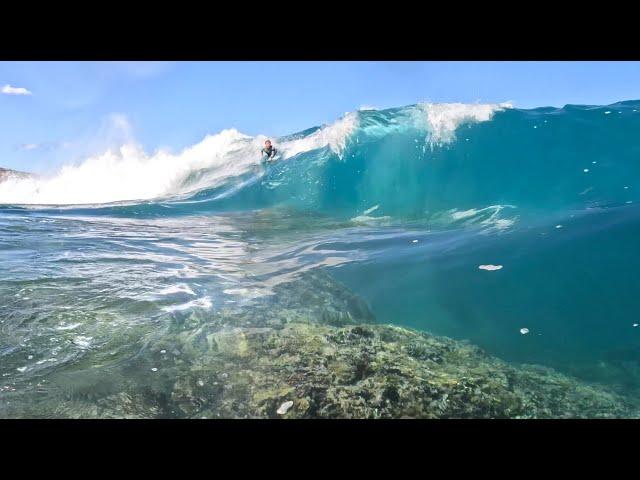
533 162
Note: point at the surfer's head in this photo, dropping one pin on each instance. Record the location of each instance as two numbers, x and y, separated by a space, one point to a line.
267 143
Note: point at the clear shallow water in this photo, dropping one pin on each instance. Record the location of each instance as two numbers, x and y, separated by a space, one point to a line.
399 207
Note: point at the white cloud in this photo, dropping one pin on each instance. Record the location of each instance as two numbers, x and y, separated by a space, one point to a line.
9 90
119 121
43 146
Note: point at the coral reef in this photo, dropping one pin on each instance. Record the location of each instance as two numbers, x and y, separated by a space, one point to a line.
316 345
356 371
377 371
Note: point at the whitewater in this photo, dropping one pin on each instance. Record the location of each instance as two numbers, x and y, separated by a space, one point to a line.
188 284
129 173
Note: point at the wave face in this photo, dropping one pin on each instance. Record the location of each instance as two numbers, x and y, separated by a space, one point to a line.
424 161
514 229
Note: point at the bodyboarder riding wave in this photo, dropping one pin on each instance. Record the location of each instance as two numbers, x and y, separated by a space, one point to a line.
269 151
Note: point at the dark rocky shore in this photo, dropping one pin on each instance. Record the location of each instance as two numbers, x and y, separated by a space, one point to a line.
6 173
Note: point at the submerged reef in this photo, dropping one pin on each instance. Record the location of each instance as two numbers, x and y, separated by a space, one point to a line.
375 371
314 351
356 371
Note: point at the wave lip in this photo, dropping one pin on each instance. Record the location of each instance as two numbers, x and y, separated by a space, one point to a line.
443 119
128 173
125 174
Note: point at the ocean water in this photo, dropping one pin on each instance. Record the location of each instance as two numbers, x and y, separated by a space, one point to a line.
516 230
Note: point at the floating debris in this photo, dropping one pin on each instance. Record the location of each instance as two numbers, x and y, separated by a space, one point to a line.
635 324
414 241
490 267
586 170
284 408
163 351
154 369
524 331
558 226
372 209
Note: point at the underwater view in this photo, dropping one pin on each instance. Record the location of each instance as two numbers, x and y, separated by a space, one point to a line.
434 260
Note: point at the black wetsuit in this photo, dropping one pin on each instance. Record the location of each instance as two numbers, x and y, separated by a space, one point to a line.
270 152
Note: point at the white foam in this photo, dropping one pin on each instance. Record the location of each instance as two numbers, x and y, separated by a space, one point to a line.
245 292
334 136
490 268
501 223
129 173
493 221
464 214
204 302
64 326
368 220
180 288
444 118
82 341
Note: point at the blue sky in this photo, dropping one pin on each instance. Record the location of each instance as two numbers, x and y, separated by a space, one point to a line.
53 113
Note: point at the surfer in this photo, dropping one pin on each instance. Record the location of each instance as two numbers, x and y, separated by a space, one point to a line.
269 150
